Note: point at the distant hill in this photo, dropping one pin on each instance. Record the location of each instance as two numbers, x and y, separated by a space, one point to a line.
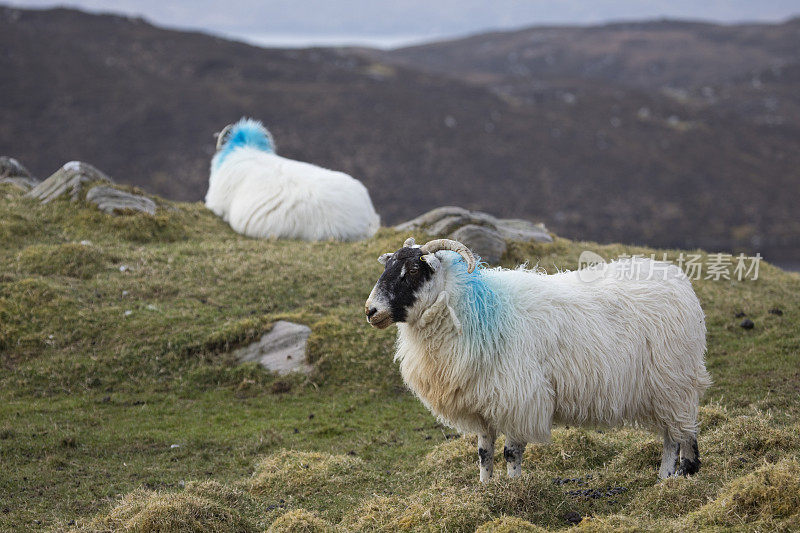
666 133
750 69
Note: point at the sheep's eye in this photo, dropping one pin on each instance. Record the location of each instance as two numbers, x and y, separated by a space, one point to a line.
413 269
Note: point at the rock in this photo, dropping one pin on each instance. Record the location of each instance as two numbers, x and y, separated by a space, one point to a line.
12 171
573 517
114 201
740 314
747 324
489 244
11 168
515 229
488 234
434 215
776 311
71 179
282 349
25 184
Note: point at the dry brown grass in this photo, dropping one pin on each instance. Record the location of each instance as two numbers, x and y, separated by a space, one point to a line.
158 512
300 521
437 508
295 473
768 497
509 524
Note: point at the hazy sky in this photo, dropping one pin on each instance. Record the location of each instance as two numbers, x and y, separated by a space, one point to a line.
378 22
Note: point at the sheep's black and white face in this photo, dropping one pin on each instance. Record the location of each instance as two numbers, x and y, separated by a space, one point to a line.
406 280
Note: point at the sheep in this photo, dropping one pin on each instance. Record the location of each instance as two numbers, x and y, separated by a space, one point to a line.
492 350
261 194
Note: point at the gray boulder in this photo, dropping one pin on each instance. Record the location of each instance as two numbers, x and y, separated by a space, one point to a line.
483 240
69 179
485 234
282 349
515 229
114 201
14 172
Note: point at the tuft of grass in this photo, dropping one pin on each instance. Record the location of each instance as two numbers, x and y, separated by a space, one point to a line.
300 521
770 496
575 448
509 524
603 524
304 474
150 511
437 508
671 498
69 259
750 438
713 415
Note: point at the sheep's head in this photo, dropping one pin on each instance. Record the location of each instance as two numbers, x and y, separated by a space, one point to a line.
408 280
245 132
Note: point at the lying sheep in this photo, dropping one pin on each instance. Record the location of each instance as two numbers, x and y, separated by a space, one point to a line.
493 351
261 194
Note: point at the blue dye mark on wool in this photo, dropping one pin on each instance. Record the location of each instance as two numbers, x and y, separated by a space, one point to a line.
480 305
246 133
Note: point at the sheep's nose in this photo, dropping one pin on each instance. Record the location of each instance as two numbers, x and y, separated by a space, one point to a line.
370 311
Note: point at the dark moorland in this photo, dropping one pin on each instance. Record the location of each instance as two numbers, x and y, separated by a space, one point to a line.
666 133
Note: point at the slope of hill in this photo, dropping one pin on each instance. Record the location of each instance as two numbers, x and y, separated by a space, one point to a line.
645 54
592 159
122 408
748 69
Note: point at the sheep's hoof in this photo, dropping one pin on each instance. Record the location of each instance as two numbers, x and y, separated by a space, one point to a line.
688 467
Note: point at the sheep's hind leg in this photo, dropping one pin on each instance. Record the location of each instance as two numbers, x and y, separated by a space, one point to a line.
513 454
486 454
690 457
669 458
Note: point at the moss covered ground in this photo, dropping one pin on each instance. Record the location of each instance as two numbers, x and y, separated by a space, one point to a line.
121 410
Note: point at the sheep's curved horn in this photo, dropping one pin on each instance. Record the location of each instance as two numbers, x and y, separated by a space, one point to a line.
409 242
221 135
454 246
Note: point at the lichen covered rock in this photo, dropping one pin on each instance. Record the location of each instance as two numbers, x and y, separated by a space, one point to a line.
69 179
114 201
485 234
14 172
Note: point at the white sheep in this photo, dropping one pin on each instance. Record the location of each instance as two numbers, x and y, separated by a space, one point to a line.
261 194
493 351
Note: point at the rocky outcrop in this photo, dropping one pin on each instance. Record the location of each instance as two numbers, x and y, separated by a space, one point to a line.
114 201
69 179
485 234
282 349
14 172
76 176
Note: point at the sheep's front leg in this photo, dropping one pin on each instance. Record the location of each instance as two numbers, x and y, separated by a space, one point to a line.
486 454
513 454
669 457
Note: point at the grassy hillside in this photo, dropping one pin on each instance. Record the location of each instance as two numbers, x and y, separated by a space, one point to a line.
120 410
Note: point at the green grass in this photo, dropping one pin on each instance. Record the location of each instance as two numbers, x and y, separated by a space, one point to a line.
115 350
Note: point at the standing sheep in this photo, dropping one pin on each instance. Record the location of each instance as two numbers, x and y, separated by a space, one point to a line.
261 194
493 351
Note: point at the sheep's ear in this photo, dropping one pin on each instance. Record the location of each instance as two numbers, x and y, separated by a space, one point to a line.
432 261
385 257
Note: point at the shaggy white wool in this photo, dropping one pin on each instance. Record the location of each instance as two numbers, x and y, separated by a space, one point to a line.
261 194
514 351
